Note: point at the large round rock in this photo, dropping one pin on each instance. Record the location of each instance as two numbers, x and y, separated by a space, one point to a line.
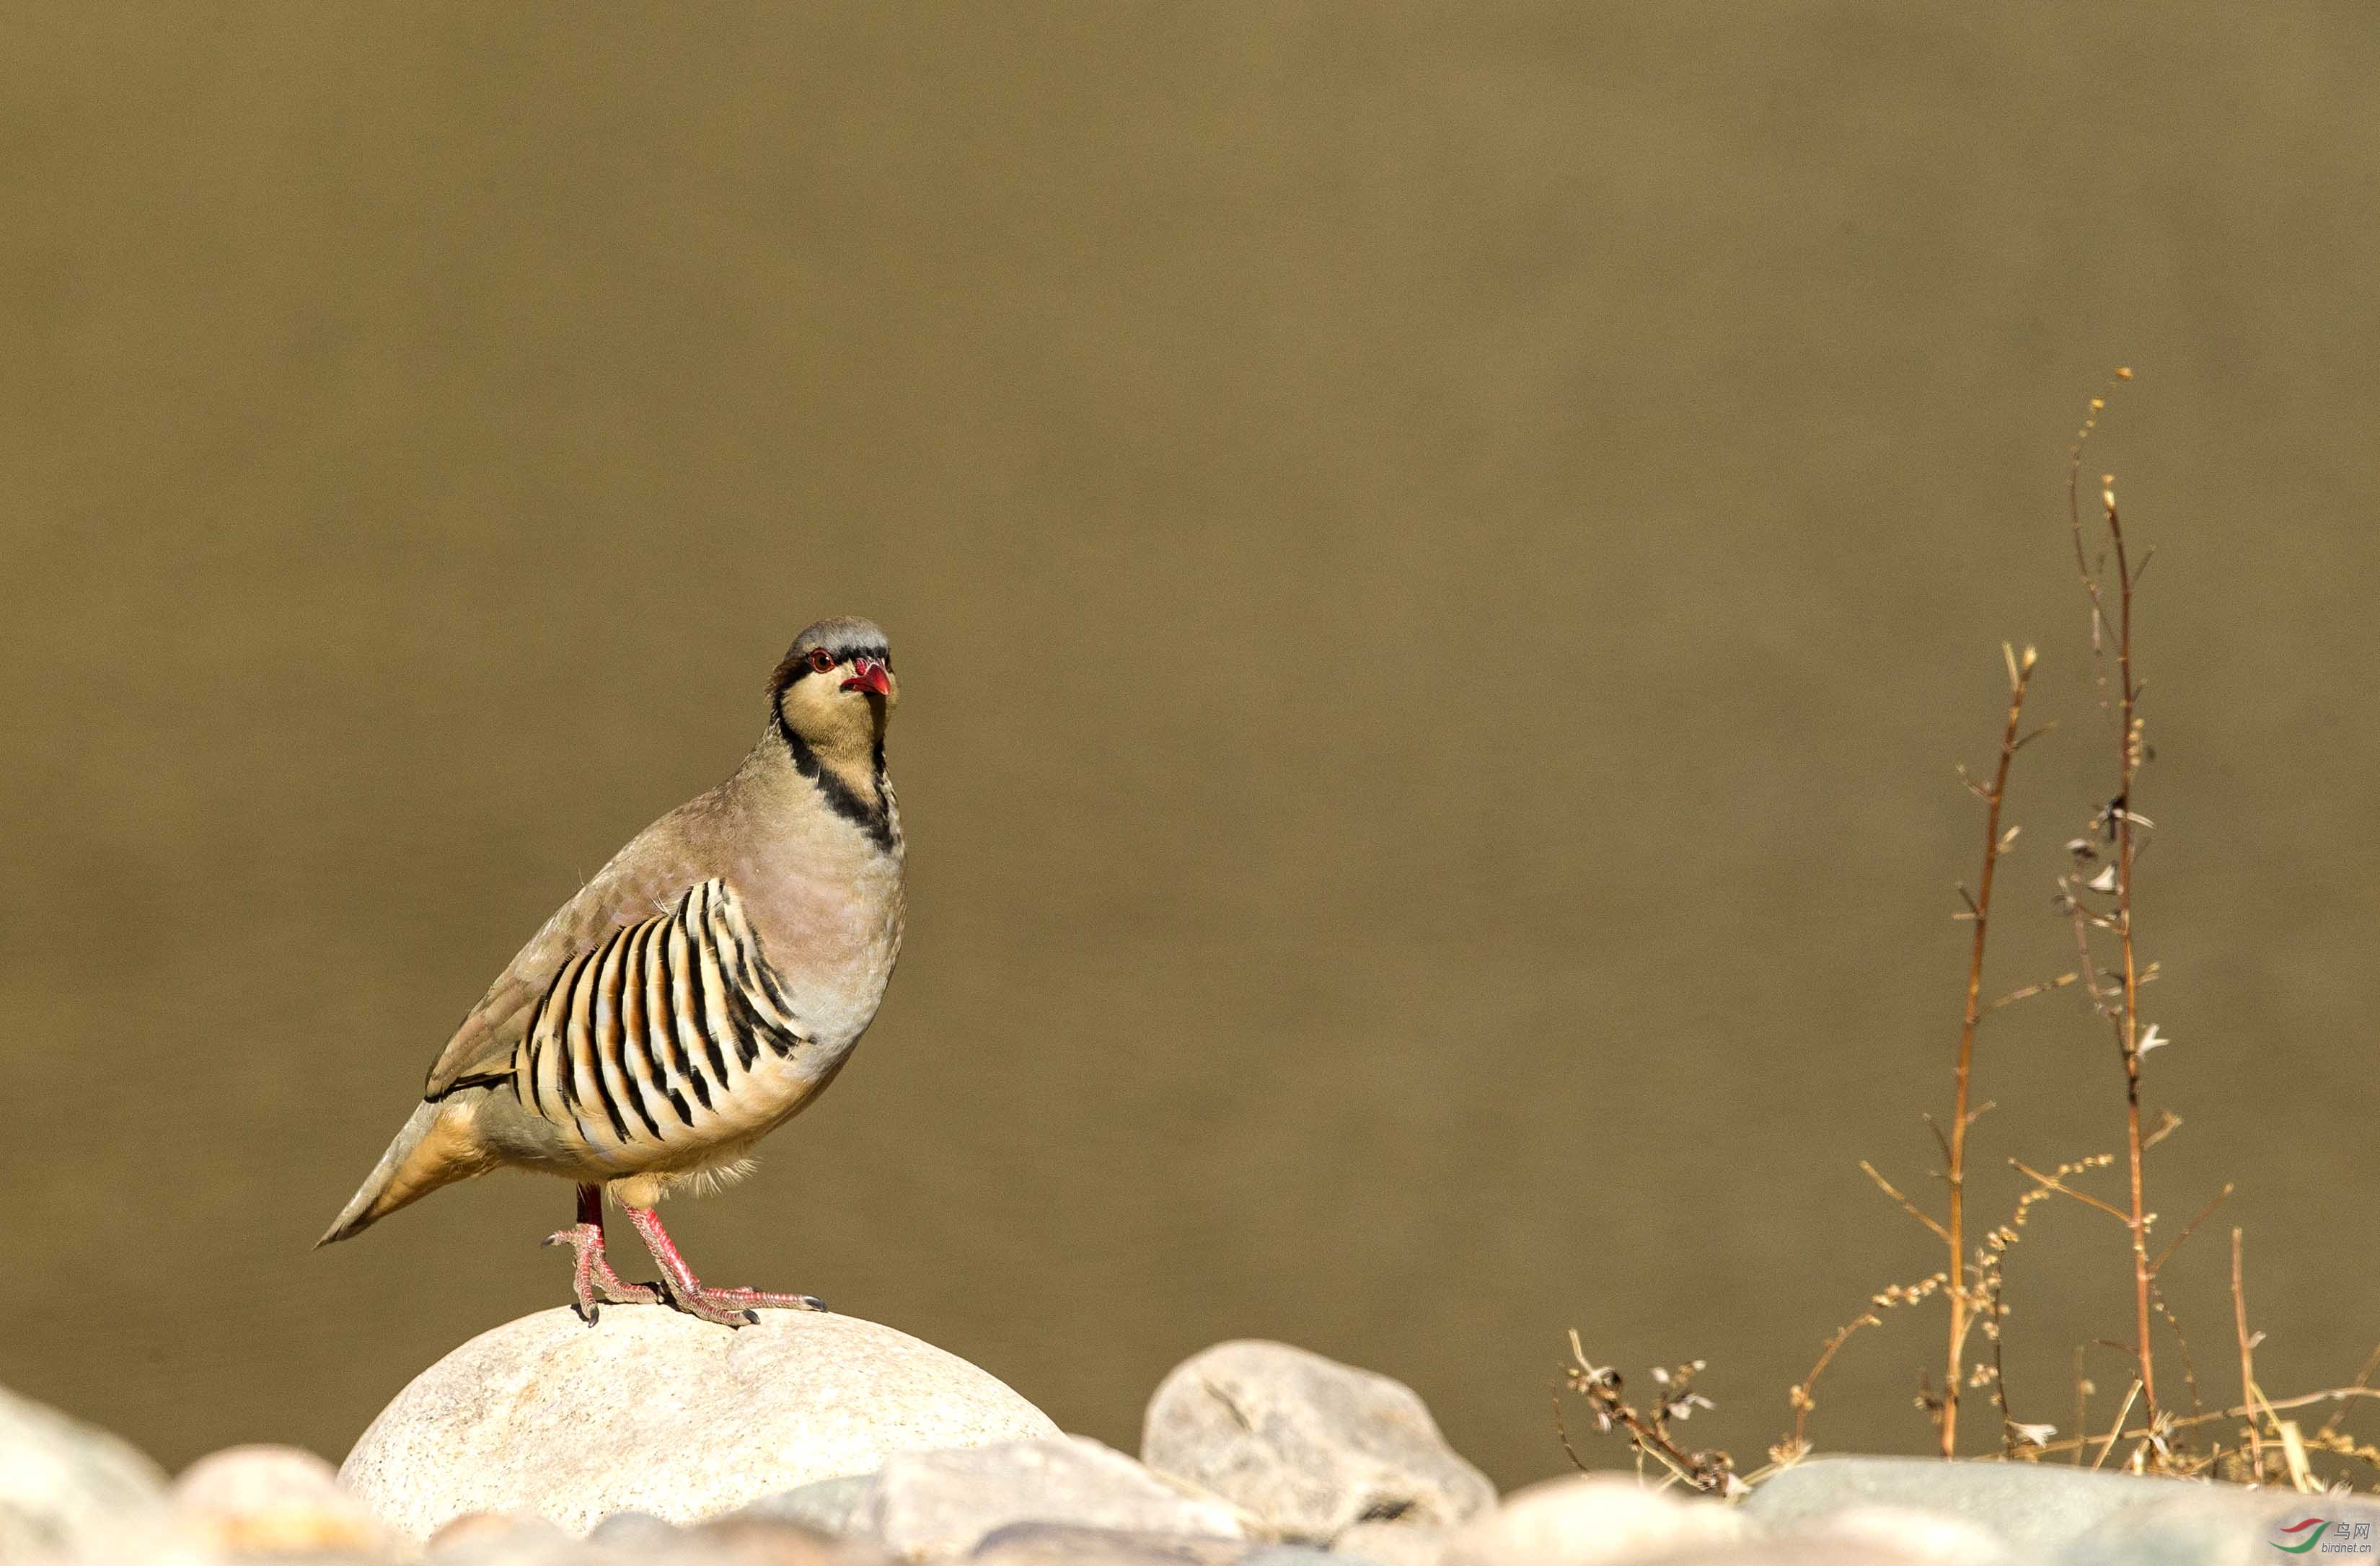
651 1410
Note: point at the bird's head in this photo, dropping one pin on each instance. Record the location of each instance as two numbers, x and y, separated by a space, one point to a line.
835 689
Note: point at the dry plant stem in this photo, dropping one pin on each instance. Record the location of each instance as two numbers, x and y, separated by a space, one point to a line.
1713 1473
1911 1209
2263 1405
2054 1183
1801 1397
2247 1358
2121 819
1954 1232
2362 1382
2129 1398
2082 1403
1562 1430
2158 1267
2180 1343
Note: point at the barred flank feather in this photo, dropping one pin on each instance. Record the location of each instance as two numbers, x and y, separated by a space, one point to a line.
670 1035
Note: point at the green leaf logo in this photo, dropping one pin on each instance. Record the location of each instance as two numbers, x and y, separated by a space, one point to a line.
2311 1528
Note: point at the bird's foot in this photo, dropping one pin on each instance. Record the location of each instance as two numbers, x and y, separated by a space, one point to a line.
727 1307
593 1281
735 1307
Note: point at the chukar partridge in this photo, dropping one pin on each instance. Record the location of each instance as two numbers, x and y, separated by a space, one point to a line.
706 985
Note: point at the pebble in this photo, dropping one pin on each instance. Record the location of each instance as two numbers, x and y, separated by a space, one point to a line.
941 1504
69 1489
1589 1519
272 1499
1307 1446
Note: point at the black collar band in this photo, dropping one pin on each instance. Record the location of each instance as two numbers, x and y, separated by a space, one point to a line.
873 818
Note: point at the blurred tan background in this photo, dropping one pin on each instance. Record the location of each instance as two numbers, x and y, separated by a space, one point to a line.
1439 557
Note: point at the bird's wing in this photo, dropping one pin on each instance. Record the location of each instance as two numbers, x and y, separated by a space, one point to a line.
637 884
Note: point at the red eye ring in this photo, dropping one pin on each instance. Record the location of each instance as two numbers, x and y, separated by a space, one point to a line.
822 660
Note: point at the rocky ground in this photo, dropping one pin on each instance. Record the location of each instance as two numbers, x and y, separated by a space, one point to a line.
824 1440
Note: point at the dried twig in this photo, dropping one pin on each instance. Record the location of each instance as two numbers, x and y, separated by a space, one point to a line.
1800 1396
1907 1206
2052 1182
2165 1255
2030 991
2129 1398
1953 1232
1711 1472
1562 1428
2083 1390
2263 1404
2363 1381
2247 1357
2120 820
2181 1343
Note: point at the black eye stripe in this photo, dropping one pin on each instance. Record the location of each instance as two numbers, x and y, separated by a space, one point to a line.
797 666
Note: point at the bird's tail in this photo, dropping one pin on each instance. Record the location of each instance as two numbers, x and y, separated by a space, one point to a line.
428 1153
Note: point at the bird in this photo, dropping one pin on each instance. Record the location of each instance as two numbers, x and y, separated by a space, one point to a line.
700 991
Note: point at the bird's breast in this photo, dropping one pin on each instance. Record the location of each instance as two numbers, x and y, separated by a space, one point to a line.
832 938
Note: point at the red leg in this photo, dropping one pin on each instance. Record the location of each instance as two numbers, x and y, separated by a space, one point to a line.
593 1281
728 1307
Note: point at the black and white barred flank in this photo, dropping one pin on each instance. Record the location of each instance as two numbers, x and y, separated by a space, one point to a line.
649 1042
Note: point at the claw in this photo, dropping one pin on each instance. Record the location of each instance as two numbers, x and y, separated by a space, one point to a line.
593 1284
727 1307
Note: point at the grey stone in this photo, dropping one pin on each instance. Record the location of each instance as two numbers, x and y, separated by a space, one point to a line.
1060 1543
1392 1544
1802 1550
2222 1525
1307 1445
2031 1508
69 1489
743 1541
653 1411
634 1530
1290 1555
630 1539
1930 1537
833 1506
941 1504
1590 1518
